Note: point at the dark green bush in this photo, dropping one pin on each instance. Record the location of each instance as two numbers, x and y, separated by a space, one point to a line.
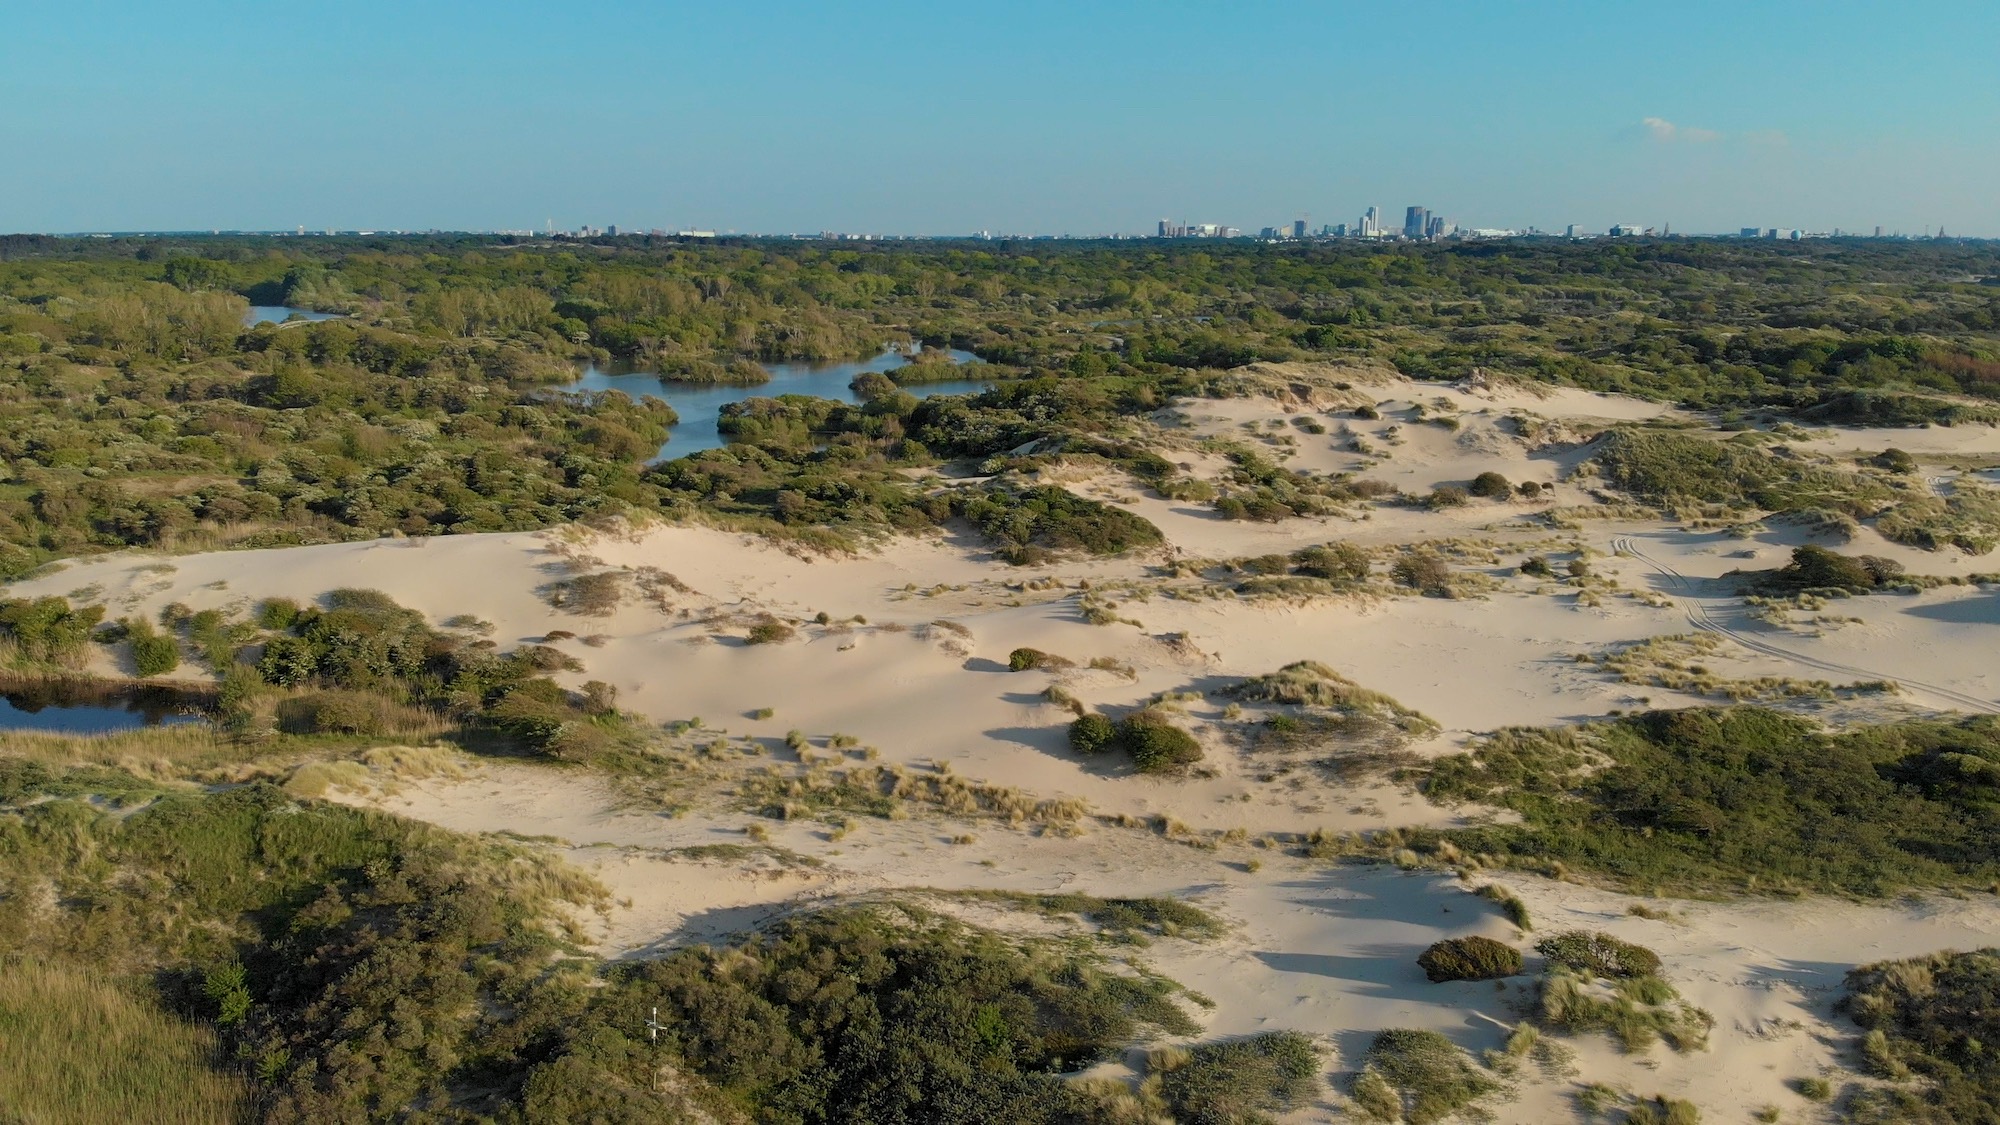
153 654
1469 958
277 613
1815 567
1740 797
48 630
1036 524
1896 461
1491 486
1599 955
1024 659
1935 1017
1092 734
1156 745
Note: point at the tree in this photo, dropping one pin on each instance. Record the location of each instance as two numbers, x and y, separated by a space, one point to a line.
1421 570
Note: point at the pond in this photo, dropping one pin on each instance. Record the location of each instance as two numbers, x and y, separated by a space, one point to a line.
278 314
699 404
70 708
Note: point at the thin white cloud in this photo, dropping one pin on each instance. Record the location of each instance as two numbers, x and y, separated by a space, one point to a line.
1665 131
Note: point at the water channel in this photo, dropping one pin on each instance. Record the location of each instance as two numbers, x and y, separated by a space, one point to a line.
700 404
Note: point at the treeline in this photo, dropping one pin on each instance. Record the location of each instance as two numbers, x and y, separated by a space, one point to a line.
136 410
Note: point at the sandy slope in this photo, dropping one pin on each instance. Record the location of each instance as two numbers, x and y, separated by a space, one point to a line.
1329 950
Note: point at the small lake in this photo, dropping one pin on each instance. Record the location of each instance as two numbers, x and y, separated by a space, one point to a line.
88 709
278 314
700 404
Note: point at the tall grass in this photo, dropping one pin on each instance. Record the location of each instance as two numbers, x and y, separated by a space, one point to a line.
76 1048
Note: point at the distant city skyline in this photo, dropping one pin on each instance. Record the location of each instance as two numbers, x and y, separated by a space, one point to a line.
1028 117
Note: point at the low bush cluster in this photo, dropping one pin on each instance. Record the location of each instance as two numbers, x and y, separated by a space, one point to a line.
1153 742
351 961
1036 525
1740 797
1469 958
1240 1081
1418 1077
1817 568
1599 955
1933 1019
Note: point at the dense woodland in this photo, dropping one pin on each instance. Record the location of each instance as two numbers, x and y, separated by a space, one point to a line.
135 408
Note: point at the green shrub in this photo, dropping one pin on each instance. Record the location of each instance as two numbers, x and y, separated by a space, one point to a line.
1599 955
1446 496
1469 958
1037 524
1420 570
1934 1017
1432 1079
153 654
1092 734
1242 1080
1740 797
1491 486
769 631
336 712
1896 461
1156 745
48 630
1025 659
1335 562
1815 567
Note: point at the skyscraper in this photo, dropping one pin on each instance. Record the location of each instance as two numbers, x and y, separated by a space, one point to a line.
1371 222
1298 228
1414 221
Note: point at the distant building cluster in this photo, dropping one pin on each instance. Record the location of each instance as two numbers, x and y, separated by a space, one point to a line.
1420 224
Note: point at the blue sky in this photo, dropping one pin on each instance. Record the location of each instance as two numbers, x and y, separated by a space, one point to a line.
1073 117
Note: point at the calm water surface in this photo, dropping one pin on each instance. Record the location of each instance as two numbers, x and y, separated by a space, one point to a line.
67 709
278 314
699 405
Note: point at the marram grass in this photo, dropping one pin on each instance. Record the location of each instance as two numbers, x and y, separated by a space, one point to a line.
78 1049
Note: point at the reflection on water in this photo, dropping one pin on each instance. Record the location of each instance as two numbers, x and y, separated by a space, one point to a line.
700 404
82 708
278 314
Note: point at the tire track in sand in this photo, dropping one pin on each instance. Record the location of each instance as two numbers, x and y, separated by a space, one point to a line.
1699 616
